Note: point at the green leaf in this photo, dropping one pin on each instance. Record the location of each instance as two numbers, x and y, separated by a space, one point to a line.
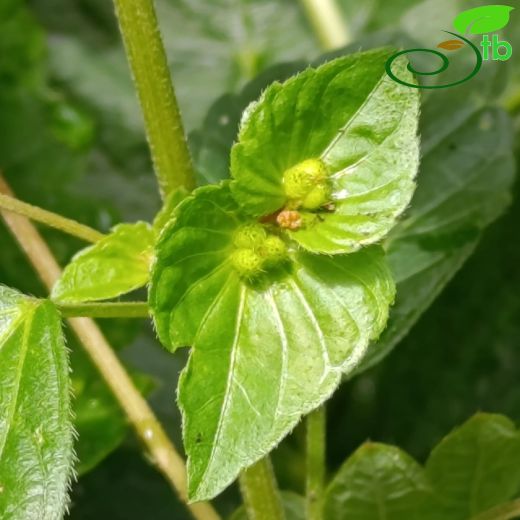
378 482
360 124
484 19
36 452
117 264
294 506
264 351
476 467
472 470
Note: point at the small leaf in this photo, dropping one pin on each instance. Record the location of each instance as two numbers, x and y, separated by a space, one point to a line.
264 351
359 124
476 467
113 266
484 19
378 481
451 45
36 438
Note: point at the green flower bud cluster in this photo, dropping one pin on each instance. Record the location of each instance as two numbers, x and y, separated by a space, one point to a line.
256 250
307 185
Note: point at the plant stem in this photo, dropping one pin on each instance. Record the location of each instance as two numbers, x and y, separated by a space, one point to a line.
260 492
48 218
105 310
149 66
502 512
140 415
328 23
315 482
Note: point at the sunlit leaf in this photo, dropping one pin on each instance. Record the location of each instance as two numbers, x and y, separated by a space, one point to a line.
265 351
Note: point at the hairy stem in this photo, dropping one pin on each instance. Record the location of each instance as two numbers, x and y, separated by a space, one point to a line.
502 512
328 23
140 415
105 310
48 218
315 464
149 66
260 492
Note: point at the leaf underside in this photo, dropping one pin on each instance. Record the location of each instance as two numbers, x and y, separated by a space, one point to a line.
36 441
264 353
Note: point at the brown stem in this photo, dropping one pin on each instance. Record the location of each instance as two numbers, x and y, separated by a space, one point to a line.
139 413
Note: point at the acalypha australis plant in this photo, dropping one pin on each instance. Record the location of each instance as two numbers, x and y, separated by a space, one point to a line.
329 232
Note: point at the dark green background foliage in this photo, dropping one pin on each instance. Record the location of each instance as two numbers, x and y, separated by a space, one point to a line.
71 140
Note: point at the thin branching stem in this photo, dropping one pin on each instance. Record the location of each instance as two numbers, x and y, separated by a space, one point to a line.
50 219
315 463
260 492
328 23
162 452
149 66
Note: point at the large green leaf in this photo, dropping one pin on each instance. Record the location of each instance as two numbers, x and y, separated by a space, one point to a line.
359 124
117 264
264 351
472 470
36 452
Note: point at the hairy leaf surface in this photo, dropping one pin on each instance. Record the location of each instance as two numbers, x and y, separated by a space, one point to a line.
264 352
117 264
36 451
361 124
473 469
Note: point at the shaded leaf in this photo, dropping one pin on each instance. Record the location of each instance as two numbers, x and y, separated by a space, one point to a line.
378 482
473 469
117 264
264 352
476 466
483 19
167 211
35 418
359 123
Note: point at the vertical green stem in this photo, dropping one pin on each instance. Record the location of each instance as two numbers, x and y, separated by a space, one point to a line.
328 23
315 482
260 492
164 129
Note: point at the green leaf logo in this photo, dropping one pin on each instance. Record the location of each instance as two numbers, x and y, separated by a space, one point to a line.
480 20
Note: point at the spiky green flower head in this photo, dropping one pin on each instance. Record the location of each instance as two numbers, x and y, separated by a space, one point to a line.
247 262
256 250
274 251
307 185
